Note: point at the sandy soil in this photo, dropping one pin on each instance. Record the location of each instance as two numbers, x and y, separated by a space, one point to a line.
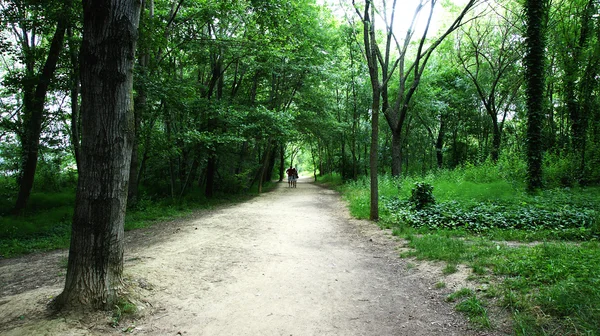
290 262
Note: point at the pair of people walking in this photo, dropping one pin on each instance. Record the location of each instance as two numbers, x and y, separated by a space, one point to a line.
292 174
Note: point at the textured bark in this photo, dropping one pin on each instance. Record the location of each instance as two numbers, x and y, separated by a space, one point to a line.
34 102
534 73
95 266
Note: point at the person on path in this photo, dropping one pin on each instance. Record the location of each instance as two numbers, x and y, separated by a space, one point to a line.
292 174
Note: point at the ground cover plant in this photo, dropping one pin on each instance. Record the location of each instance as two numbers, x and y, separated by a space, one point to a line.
547 277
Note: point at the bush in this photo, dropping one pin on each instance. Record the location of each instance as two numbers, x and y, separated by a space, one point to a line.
422 195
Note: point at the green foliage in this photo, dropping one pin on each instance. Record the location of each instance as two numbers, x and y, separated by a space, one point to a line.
559 171
123 309
333 180
421 195
476 311
357 195
550 286
477 199
556 280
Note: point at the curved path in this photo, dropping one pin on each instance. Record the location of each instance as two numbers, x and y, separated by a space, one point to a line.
290 262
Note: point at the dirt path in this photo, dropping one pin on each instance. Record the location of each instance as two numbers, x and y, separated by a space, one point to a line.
290 262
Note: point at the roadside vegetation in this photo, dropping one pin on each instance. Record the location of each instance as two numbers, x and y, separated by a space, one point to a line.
46 223
535 255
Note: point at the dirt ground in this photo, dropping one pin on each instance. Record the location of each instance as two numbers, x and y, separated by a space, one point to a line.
289 262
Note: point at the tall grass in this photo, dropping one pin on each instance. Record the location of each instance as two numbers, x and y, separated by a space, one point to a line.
551 288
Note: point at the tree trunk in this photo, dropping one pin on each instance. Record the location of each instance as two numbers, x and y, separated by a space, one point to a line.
396 152
265 163
535 12
95 267
75 115
496 138
439 144
281 161
139 106
34 102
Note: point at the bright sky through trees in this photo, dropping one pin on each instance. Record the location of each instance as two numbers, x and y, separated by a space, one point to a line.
405 10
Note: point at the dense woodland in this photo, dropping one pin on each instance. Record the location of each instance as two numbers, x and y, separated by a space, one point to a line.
227 94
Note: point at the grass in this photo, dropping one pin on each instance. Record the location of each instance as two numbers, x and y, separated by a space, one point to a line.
46 223
557 280
551 287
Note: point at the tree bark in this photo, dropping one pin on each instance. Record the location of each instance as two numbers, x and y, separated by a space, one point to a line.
95 267
535 12
281 161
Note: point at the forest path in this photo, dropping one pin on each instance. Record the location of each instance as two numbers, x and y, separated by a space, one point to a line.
289 262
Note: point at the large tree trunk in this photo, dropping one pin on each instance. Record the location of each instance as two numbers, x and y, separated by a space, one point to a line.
34 102
95 266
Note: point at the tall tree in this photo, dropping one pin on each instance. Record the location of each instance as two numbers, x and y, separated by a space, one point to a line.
489 54
535 14
35 87
371 53
95 266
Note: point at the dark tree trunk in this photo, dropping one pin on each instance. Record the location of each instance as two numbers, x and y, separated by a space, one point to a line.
34 101
281 161
139 107
265 163
271 165
496 138
95 267
75 115
396 152
535 11
439 144
370 42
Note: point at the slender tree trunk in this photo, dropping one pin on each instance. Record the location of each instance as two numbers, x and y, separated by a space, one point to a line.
75 115
535 11
139 107
265 163
396 152
496 138
34 113
95 267
281 161
439 144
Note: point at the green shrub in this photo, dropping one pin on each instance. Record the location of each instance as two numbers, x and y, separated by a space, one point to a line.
422 195
559 171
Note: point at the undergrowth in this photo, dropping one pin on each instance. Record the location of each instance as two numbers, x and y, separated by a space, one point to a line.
549 282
